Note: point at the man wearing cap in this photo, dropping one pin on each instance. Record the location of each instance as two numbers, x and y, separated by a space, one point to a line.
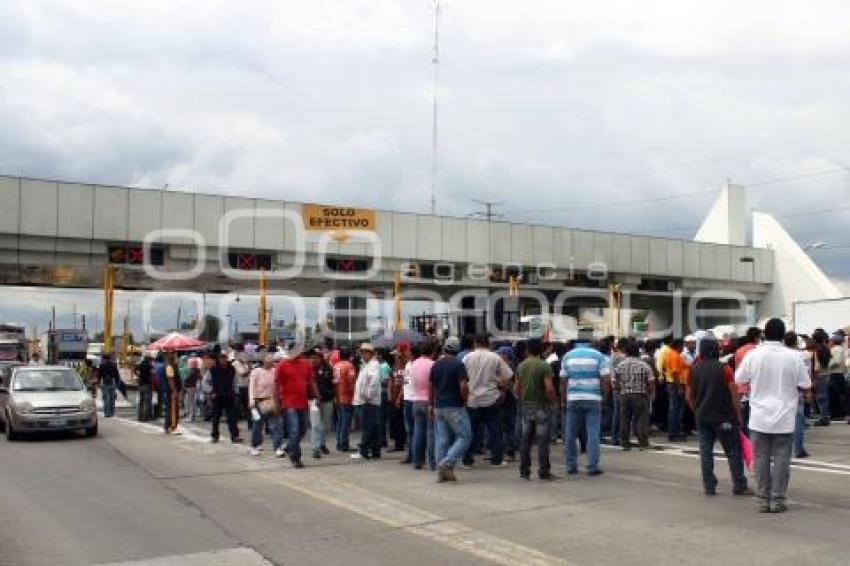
368 396
447 396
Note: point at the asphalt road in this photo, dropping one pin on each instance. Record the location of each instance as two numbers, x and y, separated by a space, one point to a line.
136 496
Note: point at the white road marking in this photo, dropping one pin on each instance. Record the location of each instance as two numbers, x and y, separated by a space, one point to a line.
382 509
229 557
409 519
796 464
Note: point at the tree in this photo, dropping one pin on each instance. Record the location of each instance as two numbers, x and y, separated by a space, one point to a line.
210 328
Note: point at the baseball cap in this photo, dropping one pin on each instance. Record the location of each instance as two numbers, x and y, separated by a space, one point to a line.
452 345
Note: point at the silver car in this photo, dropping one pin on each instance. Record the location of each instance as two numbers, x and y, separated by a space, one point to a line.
45 398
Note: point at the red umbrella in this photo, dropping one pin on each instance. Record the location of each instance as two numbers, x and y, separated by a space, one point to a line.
176 341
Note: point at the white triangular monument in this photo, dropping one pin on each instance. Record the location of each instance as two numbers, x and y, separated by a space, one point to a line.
796 277
726 222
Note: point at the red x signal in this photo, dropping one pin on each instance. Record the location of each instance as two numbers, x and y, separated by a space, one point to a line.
247 261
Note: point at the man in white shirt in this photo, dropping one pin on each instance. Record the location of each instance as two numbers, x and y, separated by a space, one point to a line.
367 394
489 379
776 376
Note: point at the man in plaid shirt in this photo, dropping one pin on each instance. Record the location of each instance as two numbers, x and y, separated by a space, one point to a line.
634 379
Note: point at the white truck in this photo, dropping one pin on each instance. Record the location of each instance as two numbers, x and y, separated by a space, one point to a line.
829 314
68 345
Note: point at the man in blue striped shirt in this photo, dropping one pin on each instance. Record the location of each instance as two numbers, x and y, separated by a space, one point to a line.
585 373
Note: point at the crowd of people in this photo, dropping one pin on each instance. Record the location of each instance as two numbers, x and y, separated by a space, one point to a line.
446 405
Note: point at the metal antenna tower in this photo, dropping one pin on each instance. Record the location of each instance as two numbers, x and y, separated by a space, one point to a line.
435 62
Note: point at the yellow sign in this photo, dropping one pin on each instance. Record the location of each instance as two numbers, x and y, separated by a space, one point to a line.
337 218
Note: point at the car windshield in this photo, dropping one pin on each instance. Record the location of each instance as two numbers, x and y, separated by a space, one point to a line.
46 380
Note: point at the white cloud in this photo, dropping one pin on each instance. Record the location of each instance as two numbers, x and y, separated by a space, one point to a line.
543 103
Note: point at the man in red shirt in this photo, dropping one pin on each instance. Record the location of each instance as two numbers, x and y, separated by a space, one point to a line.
294 378
345 377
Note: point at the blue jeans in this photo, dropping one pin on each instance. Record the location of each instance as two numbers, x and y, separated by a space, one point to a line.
675 410
343 427
275 423
800 428
295 421
591 413
370 440
822 397
108 392
423 435
409 425
615 418
453 435
491 419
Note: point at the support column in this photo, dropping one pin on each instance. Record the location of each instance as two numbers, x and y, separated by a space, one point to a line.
350 317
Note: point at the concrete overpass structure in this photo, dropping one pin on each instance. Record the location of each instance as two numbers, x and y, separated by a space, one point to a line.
56 233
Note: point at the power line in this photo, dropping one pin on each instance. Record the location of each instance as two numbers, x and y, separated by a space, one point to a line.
593 206
620 202
792 215
799 177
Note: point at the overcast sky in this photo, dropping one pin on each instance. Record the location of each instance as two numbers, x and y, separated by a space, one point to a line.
543 104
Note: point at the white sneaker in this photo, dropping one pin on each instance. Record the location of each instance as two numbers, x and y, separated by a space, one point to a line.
255 451
280 452
213 440
357 456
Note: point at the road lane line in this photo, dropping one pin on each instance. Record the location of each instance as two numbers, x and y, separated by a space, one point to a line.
230 557
409 519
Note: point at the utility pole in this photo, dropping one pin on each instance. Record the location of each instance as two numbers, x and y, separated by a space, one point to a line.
435 62
487 214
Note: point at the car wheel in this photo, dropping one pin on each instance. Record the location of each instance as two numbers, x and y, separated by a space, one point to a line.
11 435
91 432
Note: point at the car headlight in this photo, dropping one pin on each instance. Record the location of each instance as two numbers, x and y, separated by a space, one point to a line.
87 405
23 407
